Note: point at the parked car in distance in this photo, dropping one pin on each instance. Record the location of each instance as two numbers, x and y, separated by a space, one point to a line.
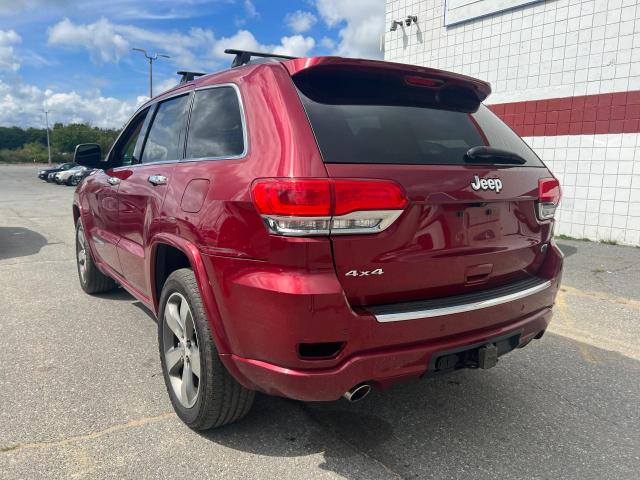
316 227
77 177
65 175
48 174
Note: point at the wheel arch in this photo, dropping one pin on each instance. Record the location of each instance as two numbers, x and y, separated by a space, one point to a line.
76 214
169 253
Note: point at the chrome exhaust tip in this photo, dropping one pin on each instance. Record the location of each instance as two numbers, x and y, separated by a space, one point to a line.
357 393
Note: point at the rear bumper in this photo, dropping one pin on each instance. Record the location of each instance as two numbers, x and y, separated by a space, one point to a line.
265 312
382 368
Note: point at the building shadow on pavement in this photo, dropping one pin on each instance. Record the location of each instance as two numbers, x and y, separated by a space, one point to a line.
20 242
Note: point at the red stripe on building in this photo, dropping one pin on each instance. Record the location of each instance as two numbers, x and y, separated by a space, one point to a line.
585 115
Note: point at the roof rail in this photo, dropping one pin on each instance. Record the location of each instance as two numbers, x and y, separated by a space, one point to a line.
189 76
243 56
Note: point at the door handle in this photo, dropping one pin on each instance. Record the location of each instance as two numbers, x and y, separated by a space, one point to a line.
113 180
157 179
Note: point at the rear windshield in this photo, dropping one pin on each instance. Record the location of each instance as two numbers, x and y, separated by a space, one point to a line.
393 125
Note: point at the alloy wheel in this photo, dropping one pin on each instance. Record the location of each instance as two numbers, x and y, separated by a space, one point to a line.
81 254
181 350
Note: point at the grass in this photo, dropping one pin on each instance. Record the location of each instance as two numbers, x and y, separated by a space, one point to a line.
604 242
568 237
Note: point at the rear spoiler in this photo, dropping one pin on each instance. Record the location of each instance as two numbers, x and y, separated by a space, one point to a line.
480 88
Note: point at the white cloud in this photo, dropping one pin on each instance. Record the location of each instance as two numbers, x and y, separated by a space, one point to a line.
8 58
186 50
164 84
297 45
299 21
362 24
328 43
250 13
101 39
250 9
22 105
9 7
135 12
109 42
121 9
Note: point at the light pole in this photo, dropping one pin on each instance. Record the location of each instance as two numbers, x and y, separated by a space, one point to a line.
46 119
151 59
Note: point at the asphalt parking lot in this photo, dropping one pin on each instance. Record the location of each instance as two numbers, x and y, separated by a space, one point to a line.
82 395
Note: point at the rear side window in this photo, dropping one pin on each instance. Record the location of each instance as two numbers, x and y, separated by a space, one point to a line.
398 123
215 128
166 134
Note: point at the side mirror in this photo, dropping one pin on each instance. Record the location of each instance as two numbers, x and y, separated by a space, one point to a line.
88 155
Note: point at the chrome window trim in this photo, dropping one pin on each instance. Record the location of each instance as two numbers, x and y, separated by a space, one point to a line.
243 120
466 307
136 165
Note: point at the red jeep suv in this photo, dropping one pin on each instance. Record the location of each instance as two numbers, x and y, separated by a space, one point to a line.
316 227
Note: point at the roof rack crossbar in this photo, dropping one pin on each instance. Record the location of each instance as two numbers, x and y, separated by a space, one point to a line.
188 76
242 57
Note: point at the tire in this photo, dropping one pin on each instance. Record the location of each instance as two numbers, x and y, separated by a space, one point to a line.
72 181
91 279
218 399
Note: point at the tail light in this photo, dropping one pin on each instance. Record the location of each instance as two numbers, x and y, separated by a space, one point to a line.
548 197
302 207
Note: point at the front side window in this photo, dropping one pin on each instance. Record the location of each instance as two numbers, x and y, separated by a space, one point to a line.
127 157
125 153
166 134
215 128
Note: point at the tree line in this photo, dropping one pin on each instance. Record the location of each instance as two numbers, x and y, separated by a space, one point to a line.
18 145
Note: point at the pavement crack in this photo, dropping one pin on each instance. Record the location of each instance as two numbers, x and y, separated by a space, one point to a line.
17 448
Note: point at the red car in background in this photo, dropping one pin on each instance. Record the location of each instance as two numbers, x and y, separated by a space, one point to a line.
316 227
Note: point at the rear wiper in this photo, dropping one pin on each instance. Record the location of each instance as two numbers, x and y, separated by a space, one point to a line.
491 155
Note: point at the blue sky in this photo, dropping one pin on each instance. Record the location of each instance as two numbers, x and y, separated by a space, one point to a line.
74 57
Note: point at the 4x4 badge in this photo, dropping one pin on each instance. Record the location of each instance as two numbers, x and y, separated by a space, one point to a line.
364 273
486 184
